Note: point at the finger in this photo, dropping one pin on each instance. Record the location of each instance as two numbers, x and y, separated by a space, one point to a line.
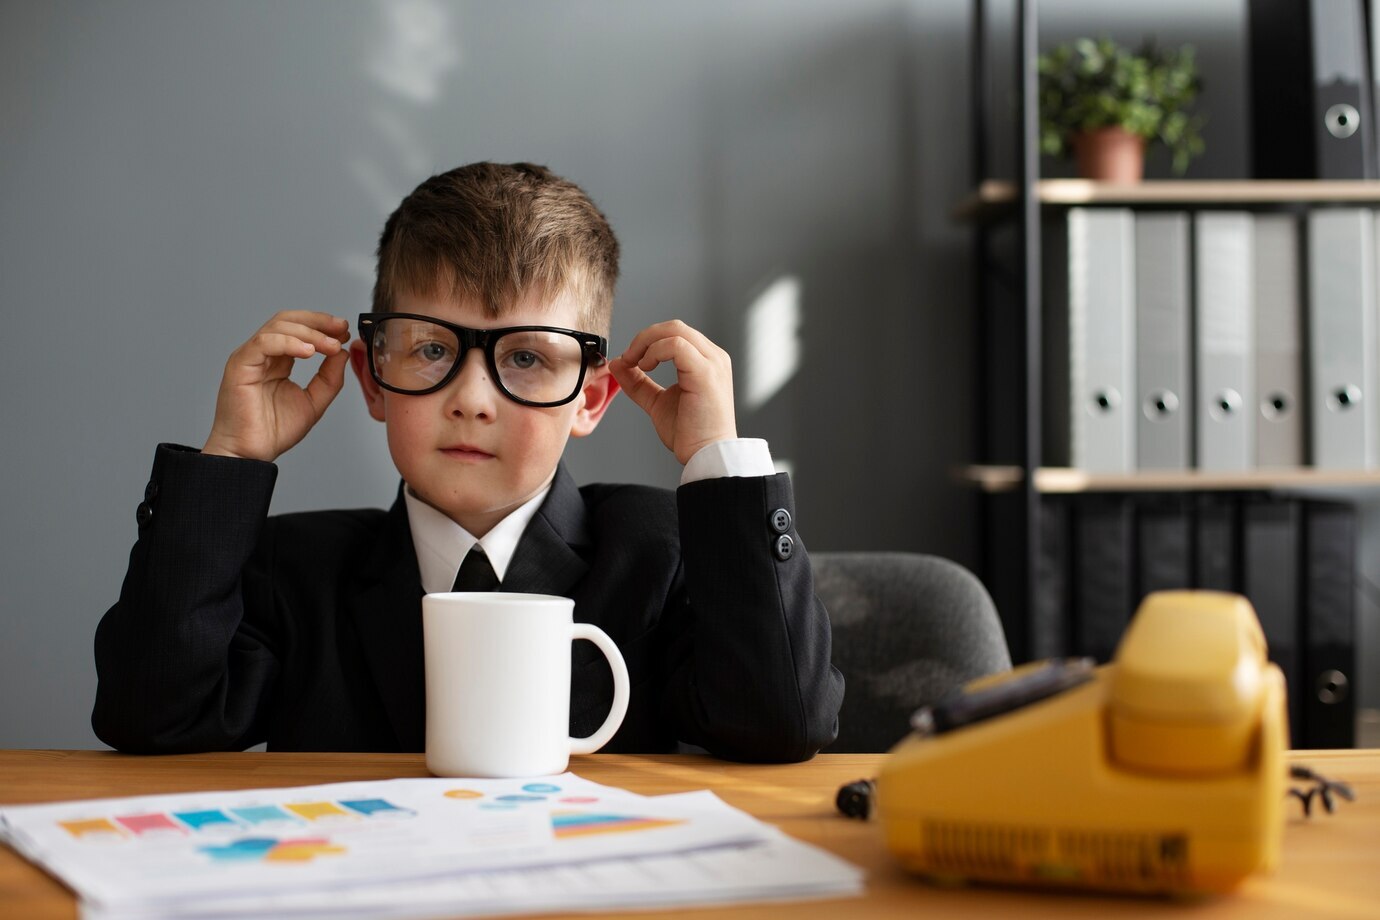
326 342
327 382
670 329
267 345
335 326
689 361
640 388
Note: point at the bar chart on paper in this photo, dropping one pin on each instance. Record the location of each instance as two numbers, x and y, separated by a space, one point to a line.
414 848
198 846
568 824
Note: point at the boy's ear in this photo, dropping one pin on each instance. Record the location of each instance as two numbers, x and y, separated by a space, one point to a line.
373 393
599 390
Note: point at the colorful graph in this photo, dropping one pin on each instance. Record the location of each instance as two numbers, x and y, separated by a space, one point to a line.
99 828
317 811
269 849
150 824
278 832
376 808
263 814
230 820
215 819
566 824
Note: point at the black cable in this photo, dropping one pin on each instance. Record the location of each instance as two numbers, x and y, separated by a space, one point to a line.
855 799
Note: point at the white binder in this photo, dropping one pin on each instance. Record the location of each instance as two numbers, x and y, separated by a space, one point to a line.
1163 401
1224 287
1101 278
1342 348
1279 429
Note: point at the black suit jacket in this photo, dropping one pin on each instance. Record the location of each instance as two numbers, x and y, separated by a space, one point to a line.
305 631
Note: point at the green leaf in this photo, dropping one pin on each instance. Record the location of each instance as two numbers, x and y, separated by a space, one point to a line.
1095 83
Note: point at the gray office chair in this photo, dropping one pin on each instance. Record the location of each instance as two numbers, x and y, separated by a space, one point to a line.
907 628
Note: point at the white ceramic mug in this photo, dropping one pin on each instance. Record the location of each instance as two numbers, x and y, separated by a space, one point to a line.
498 683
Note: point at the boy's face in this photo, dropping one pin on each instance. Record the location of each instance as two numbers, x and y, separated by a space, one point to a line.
467 450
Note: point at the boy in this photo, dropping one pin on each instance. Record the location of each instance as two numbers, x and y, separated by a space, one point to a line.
482 355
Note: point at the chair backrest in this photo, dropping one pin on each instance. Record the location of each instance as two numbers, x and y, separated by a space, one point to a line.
907 628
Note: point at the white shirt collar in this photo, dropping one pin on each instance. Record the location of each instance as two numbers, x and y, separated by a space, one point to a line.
441 543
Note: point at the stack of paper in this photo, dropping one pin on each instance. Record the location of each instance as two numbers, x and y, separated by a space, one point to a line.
415 848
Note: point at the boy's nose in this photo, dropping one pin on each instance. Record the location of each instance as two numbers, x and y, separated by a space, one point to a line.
471 394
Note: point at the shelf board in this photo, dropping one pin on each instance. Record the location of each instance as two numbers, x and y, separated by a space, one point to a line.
1062 480
995 197
990 478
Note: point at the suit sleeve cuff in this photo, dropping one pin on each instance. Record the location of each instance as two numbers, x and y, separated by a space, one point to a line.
189 488
733 457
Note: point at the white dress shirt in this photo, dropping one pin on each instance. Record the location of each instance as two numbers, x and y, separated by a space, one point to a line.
442 544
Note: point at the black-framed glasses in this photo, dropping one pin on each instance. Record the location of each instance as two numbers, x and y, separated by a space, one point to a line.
538 366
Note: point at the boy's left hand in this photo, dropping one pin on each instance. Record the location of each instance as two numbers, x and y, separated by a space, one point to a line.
698 408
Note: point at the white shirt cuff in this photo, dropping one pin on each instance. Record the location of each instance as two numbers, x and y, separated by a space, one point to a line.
734 457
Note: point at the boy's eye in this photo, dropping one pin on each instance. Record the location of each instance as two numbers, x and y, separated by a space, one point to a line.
432 351
536 353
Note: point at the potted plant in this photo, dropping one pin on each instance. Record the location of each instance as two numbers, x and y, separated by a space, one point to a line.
1102 102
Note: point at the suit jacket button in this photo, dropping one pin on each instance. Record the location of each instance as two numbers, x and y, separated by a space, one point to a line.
143 514
150 491
785 547
780 520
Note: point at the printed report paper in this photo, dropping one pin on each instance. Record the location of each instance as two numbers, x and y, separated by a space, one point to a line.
348 846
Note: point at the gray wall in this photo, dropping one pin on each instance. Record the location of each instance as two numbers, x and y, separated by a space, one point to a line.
172 173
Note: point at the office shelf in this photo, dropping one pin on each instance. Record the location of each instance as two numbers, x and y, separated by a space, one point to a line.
1062 550
1052 480
997 199
1008 215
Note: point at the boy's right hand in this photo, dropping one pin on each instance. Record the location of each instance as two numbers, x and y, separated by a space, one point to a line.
260 412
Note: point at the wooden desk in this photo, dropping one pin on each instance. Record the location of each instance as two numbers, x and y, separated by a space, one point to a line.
1331 865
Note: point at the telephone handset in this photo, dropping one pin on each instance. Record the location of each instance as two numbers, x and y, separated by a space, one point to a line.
1161 771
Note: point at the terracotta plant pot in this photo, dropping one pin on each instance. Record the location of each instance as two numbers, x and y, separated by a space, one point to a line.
1110 155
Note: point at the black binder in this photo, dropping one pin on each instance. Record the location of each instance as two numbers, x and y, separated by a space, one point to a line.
1214 543
1164 538
1270 556
1103 580
1049 631
1311 105
1327 685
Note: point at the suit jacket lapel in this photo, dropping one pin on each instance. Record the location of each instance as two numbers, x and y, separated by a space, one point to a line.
548 558
387 610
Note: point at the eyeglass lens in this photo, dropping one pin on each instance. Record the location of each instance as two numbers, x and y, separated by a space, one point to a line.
539 366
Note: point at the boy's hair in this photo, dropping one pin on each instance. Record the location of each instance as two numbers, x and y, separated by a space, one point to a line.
494 231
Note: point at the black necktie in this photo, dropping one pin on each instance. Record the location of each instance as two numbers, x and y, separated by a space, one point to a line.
476 574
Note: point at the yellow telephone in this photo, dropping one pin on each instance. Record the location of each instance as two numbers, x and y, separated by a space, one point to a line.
1162 771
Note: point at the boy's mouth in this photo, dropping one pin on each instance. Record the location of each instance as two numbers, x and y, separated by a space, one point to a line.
466 452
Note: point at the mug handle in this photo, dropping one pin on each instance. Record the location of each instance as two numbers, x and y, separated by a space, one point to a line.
620 689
